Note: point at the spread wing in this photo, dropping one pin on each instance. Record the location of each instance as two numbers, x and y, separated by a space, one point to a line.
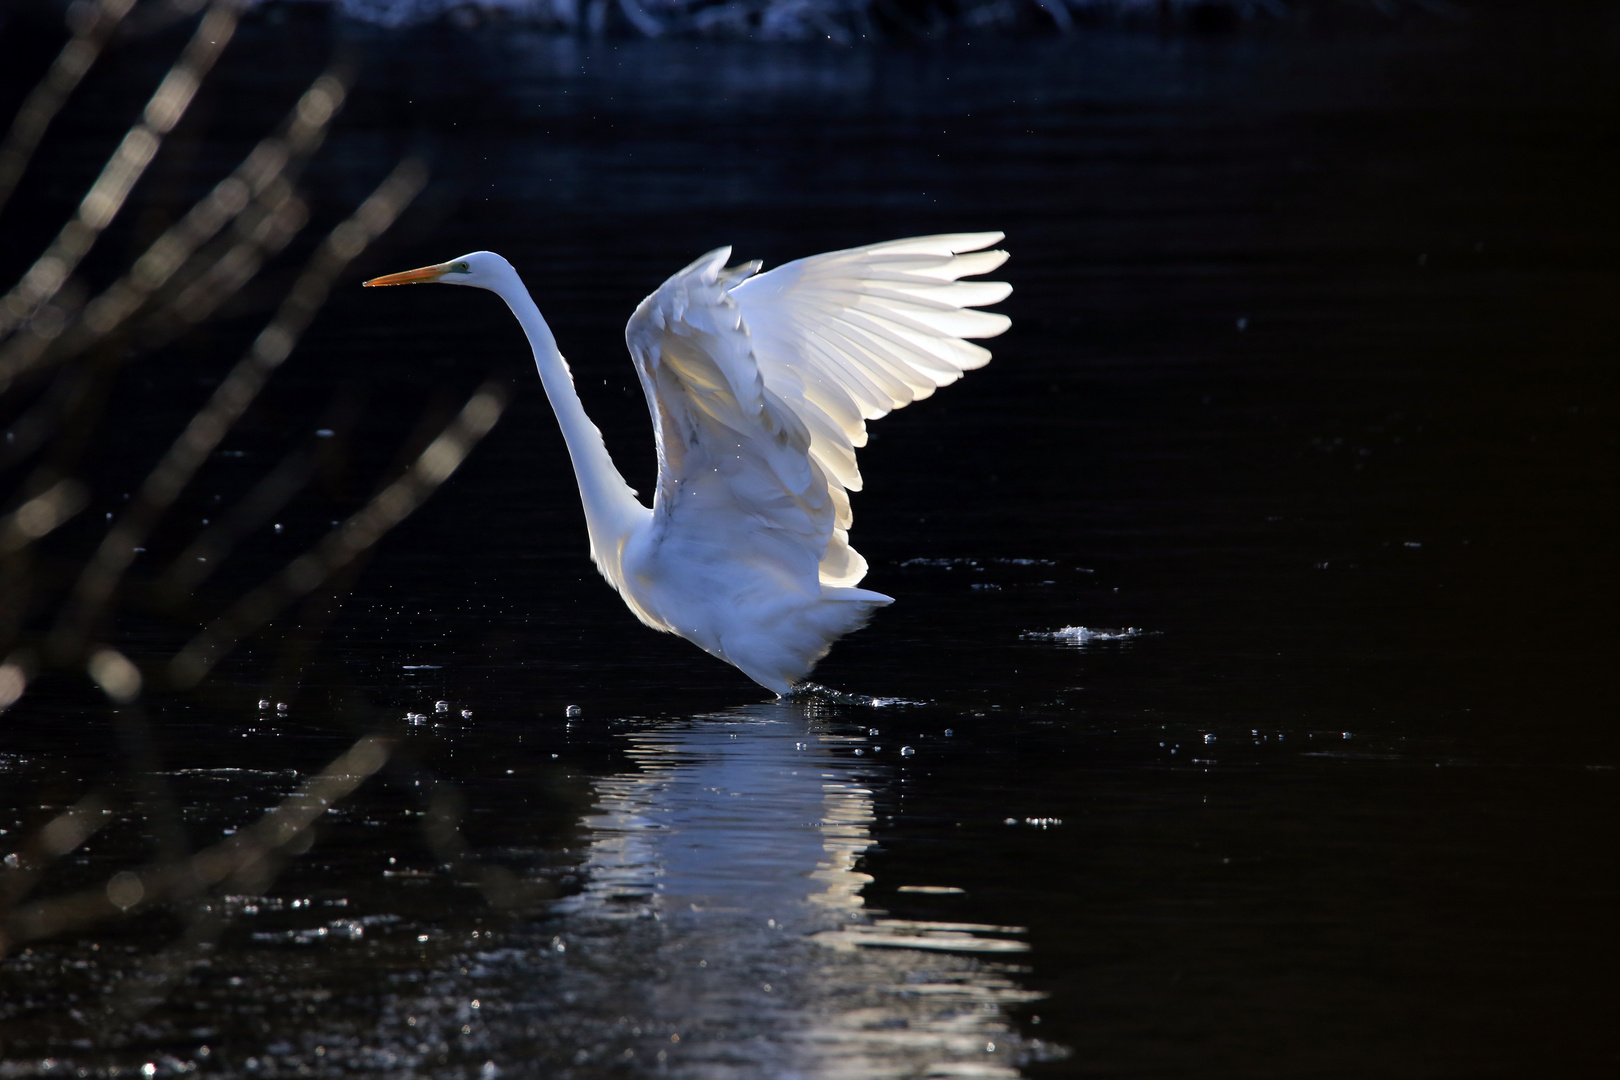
760 389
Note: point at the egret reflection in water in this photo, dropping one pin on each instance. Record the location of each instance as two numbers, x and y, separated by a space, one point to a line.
722 931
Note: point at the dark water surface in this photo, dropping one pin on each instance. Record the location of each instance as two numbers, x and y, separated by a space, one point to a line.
1310 399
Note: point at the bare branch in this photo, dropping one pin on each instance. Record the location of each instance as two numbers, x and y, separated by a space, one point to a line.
41 515
259 182
211 423
47 98
127 164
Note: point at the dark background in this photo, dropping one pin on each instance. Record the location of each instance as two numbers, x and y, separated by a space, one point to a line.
1312 379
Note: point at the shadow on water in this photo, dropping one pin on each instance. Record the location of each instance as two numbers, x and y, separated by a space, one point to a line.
1310 397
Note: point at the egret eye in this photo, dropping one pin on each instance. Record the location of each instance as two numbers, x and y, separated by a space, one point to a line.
462 268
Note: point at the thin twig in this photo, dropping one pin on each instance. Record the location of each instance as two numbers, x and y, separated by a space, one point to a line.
41 515
127 164
214 544
259 183
52 91
247 862
58 837
342 545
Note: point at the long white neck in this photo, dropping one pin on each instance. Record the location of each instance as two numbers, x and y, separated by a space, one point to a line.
612 511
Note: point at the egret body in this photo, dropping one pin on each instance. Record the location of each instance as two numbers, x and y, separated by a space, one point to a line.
760 387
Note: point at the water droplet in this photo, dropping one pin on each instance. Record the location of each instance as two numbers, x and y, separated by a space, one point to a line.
281 706
1209 738
949 733
278 528
264 703
466 714
441 706
575 710
872 731
125 890
906 751
859 752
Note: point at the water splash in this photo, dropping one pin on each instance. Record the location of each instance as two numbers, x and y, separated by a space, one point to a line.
815 693
1079 637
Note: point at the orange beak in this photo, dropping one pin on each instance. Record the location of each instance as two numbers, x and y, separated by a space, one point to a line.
419 276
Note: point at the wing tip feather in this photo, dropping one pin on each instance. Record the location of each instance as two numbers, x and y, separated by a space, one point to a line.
943 244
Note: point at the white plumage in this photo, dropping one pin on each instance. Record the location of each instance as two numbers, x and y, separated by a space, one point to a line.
760 387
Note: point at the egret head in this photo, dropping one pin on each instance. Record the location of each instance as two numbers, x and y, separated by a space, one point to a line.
481 269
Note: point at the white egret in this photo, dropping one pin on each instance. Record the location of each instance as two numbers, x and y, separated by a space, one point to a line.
760 386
